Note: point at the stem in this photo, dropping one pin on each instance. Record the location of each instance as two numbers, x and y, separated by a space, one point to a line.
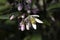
44 8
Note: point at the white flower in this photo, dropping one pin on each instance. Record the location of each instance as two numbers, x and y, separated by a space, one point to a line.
33 20
29 21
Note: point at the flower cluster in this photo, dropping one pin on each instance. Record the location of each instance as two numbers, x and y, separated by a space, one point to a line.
27 6
27 20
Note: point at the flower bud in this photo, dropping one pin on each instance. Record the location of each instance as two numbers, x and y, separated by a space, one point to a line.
20 7
12 17
28 11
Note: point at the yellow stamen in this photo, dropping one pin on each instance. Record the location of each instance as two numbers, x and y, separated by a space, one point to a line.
32 20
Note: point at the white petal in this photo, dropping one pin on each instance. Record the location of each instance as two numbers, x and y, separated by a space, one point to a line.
27 26
39 21
35 15
12 17
22 26
34 26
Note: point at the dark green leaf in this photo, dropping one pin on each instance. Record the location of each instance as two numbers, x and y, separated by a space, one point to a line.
3 1
4 16
52 6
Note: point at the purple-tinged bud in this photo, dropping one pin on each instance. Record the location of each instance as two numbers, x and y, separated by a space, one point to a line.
22 26
27 7
35 10
20 6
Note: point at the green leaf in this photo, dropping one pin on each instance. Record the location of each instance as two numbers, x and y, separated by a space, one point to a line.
3 1
33 37
4 7
36 37
7 16
52 6
4 16
9 22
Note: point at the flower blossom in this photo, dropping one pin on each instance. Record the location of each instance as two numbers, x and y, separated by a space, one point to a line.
29 21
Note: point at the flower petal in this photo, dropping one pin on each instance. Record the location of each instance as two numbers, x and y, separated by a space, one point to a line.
22 26
27 26
35 15
34 26
39 21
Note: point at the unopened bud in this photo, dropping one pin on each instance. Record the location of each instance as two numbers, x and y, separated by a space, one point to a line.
12 17
20 7
28 11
